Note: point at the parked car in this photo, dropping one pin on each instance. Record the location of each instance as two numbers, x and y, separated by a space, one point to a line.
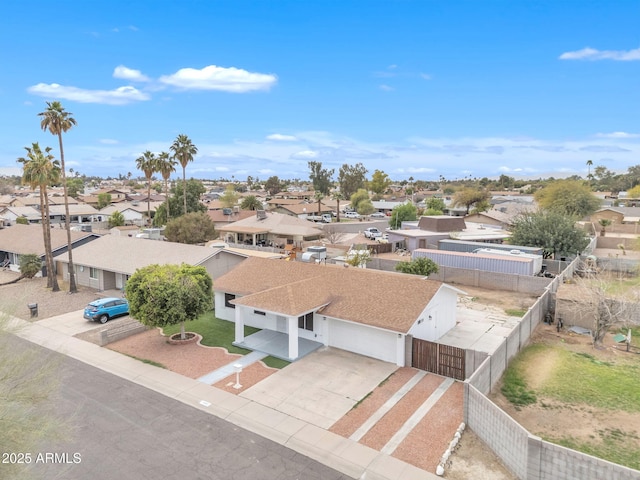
372 232
105 309
378 215
351 215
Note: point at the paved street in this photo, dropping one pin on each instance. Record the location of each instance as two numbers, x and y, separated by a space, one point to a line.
124 431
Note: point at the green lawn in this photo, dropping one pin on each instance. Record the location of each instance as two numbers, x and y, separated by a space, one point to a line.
580 379
221 333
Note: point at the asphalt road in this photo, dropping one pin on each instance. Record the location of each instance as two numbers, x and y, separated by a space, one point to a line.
121 431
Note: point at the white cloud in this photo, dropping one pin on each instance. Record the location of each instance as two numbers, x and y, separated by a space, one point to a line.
231 79
281 138
108 141
305 154
118 96
129 74
386 88
426 76
618 135
593 54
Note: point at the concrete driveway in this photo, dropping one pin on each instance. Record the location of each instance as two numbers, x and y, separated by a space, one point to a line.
72 323
321 387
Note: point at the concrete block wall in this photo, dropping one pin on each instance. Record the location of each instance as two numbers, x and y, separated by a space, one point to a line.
498 430
558 462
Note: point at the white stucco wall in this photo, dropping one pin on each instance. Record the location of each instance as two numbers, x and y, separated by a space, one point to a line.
438 317
364 340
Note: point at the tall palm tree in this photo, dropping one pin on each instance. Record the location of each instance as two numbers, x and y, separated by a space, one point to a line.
183 151
589 165
39 170
166 166
318 198
57 120
148 163
337 196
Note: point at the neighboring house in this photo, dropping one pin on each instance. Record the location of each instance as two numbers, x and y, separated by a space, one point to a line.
135 213
302 210
78 213
429 230
28 239
10 214
109 261
492 217
367 312
617 215
269 228
226 216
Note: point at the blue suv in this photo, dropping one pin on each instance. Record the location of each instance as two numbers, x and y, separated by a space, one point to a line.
105 309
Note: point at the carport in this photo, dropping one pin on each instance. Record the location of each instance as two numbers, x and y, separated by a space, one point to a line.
276 344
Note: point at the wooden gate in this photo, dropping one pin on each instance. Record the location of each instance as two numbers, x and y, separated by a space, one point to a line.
436 358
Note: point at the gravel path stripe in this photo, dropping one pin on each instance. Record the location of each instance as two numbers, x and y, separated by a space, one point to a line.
229 369
388 405
400 435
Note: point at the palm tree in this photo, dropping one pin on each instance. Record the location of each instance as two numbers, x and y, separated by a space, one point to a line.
39 170
183 151
318 197
251 202
148 163
337 196
166 166
589 165
57 120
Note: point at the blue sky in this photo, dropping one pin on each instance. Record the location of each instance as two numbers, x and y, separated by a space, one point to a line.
414 88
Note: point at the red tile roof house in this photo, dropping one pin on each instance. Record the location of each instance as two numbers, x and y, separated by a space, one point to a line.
306 306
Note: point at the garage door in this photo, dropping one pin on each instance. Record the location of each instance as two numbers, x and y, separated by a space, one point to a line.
364 340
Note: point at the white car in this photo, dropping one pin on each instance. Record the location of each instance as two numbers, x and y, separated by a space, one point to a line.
351 215
372 232
378 215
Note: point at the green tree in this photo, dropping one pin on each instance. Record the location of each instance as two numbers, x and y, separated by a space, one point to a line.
166 166
148 164
194 190
162 295
104 199
320 177
554 232
251 202
22 221
589 165
634 192
192 228
183 151
30 265
351 178
422 266
360 196
337 196
39 169
468 197
569 197
230 197
406 212
436 204
273 185
604 223
379 182
365 207
74 187
57 121
116 219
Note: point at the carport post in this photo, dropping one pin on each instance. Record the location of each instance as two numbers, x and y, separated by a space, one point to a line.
293 338
239 325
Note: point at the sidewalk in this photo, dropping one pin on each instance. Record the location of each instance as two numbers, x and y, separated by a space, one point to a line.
345 455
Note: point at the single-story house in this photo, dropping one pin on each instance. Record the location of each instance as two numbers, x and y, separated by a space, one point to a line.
29 239
225 216
368 312
10 214
430 229
78 213
108 262
269 228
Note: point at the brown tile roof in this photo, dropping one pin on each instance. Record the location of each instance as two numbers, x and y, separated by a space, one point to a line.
386 300
24 239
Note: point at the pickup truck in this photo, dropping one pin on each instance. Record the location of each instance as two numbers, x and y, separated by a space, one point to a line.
351 215
372 232
324 218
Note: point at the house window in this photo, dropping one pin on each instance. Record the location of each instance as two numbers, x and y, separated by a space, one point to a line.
93 273
227 298
306 321
258 312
